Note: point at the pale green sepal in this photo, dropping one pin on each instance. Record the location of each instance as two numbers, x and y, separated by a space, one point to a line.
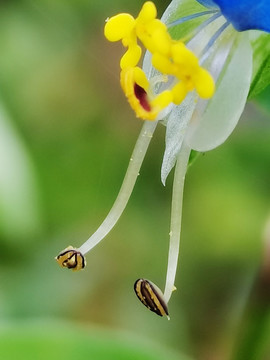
175 133
261 62
212 127
194 155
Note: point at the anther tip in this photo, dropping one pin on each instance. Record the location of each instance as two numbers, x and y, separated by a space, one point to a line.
151 296
71 258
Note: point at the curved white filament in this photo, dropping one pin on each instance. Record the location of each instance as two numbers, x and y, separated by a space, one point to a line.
176 218
126 188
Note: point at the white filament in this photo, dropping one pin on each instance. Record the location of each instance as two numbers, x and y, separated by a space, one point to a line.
126 188
176 218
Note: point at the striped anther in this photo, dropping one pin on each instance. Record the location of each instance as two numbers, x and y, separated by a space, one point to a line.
151 296
71 258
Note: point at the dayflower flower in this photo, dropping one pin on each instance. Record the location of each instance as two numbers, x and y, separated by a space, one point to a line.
199 66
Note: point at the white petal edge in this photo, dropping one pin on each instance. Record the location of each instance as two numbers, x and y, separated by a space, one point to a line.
181 115
223 111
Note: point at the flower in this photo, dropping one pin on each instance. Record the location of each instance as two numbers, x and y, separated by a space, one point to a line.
195 79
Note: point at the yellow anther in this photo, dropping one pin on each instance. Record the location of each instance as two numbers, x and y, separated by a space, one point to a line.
179 92
131 57
140 78
162 100
186 62
161 42
182 55
130 40
204 84
154 36
135 86
162 63
148 12
118 27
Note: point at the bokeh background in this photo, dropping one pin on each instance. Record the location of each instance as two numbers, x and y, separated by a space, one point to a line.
66 135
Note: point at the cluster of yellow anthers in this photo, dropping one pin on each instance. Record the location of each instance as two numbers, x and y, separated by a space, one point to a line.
169 57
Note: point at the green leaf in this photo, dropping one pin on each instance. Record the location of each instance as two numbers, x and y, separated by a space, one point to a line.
263 99
55 341
261 62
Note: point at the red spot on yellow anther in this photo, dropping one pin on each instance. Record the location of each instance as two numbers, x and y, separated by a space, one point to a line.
135 86
141 95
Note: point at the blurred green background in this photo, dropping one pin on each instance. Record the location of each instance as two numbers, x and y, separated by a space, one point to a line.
66 135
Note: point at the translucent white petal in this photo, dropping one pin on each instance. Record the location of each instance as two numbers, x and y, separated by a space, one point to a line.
180 8
171 9
181 115
199 42
210 129
147 65
175 133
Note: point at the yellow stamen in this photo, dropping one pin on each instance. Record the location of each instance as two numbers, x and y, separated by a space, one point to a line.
119 27
204 84
179 92
162 100
131 57
154 36
163 64
169 57
147 13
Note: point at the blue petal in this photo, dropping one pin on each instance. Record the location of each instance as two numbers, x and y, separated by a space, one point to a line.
244 14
